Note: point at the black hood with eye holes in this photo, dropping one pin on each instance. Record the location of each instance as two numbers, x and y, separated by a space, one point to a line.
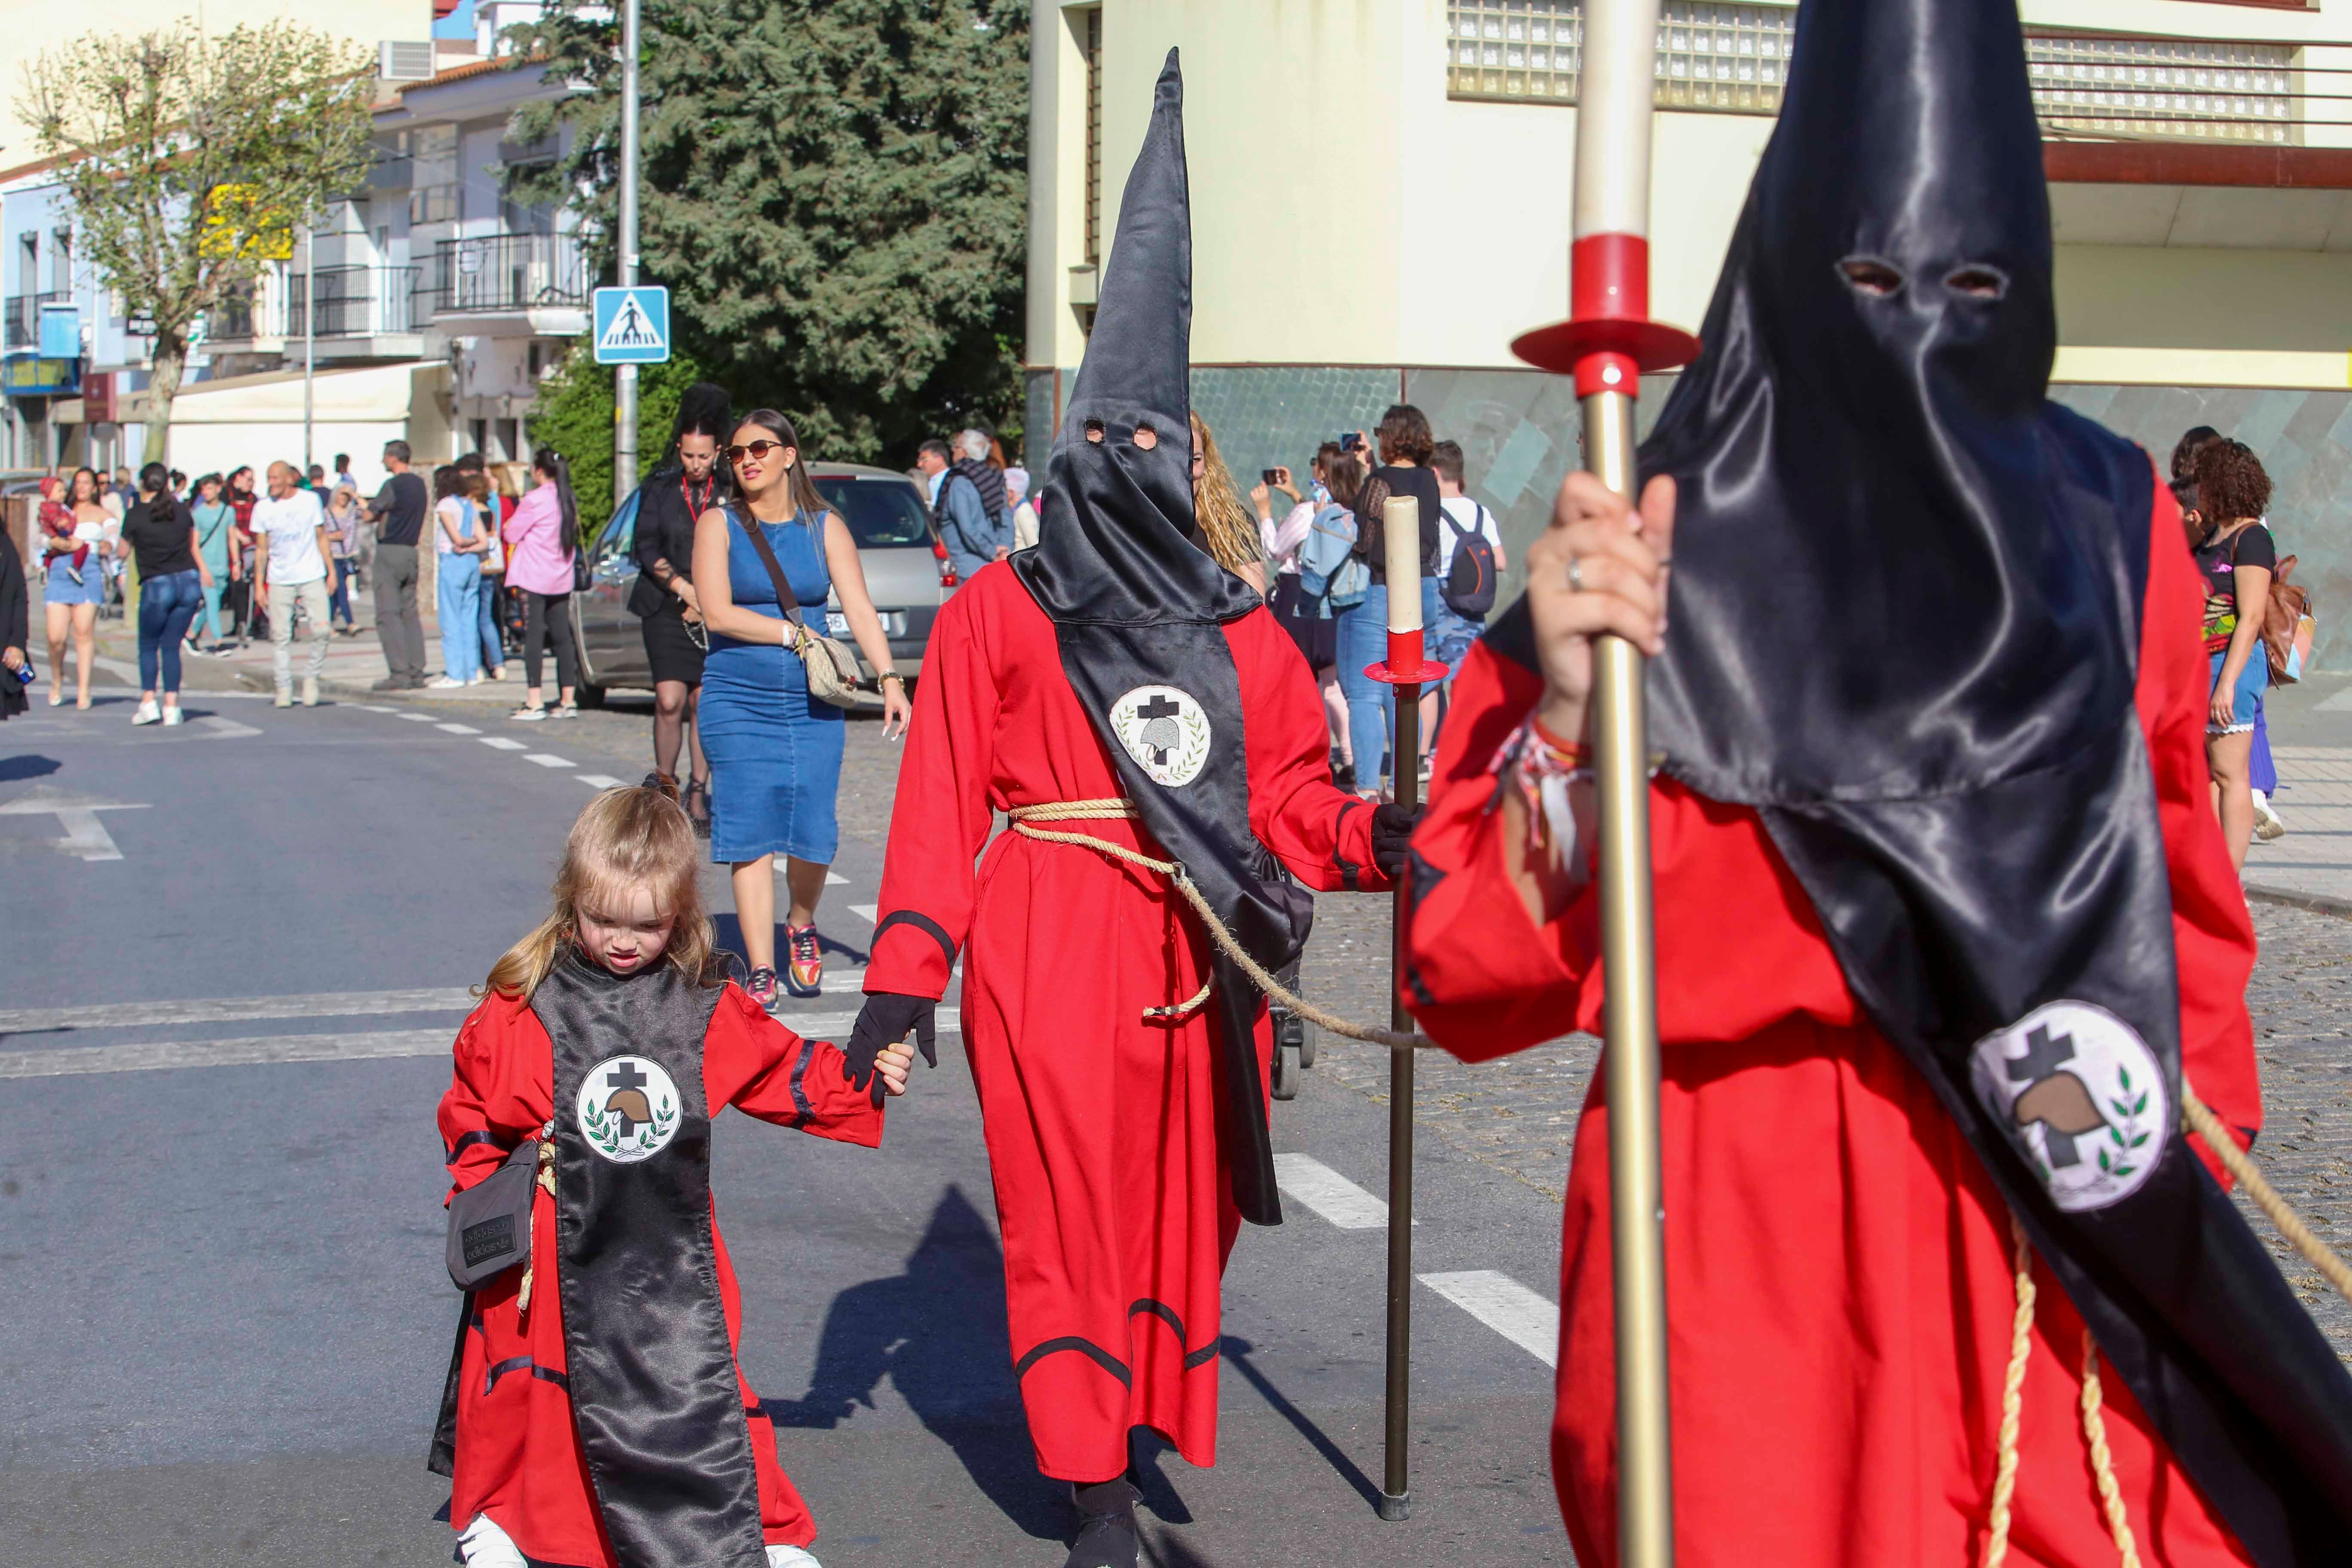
1136 605
1908 594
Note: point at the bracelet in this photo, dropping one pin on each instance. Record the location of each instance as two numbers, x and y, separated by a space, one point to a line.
1542 767
890 675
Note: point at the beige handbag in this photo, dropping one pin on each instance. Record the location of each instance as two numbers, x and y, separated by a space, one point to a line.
832 667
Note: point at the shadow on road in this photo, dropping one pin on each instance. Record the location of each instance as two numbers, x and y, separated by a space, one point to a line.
730 932
14 769
938 1331
1237 1356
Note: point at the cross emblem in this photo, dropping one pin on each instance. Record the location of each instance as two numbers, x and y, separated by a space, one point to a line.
625 1077
2043 1059
1159 732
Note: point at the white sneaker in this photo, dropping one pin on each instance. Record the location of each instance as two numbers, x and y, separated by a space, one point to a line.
173 716
310 691
790 1557
475 678
444 683
482 1544
2268 823
149 711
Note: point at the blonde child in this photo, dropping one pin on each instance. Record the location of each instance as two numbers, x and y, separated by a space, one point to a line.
594 1414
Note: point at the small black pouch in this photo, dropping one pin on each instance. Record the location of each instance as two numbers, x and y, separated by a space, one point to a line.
489 1222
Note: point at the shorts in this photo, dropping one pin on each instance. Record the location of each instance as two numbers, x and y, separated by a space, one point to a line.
61 589
1450 636
2246 697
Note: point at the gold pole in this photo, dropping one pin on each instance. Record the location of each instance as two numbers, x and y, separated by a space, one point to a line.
1646 1518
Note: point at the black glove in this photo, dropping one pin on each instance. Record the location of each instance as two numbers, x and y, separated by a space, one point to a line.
882 1023
1392 827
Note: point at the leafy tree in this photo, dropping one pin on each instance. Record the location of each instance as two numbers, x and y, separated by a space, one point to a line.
834 192
190 160
573 415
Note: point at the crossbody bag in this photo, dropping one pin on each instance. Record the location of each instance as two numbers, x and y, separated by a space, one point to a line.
832 668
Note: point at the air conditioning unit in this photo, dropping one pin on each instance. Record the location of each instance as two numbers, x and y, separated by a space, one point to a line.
398 61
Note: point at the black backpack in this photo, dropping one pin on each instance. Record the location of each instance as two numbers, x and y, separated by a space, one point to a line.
1469 587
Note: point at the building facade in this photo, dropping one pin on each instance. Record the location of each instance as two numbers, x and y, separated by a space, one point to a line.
1381 192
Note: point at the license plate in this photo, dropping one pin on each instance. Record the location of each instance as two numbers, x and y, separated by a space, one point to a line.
894 623
836 623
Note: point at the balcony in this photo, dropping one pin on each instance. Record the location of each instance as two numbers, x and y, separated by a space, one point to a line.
502 285
22 333
364 312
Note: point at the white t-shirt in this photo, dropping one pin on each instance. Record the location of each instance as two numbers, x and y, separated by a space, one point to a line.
1471 518
291 526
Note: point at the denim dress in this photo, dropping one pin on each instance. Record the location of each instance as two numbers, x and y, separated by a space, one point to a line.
774 749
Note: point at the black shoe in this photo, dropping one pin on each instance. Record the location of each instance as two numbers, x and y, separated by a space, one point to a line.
696 798
391 683
1107 1537
1344 776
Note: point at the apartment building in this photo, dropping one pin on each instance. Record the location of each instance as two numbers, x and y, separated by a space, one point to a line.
1381 189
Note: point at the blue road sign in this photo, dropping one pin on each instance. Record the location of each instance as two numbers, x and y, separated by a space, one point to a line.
632 325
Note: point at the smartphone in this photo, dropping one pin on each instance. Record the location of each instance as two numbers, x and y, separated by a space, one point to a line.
1271 476
1351 442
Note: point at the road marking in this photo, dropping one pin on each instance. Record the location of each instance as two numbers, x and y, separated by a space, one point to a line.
457 729
85 834
2339 704
832 879
220 729
602 781
263 1050
232 1009
418 718
548 760
373 708
1330 1195
868 912
1506 1306
502 743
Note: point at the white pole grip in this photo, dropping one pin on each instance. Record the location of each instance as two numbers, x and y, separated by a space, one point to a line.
1614 96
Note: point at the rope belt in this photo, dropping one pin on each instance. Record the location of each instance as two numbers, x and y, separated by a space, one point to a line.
1117 810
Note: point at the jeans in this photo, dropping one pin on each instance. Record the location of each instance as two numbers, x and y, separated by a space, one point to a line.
397 625
458 593
166 605
494 647
1371 704
339 603
312 596
549 615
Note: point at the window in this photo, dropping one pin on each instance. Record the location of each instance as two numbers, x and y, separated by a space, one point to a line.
432 174
1734 58
1094 136
28 264
61 262
879 513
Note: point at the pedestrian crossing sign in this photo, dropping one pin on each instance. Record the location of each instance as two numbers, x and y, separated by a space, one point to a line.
632 325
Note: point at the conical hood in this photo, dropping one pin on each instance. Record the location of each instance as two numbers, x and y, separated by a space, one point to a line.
1117 529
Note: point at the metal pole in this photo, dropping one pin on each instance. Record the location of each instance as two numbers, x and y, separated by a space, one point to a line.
1646 1518
625 384
1396 1487
310 336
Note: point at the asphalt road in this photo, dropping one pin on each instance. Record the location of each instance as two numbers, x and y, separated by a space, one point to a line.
223 1031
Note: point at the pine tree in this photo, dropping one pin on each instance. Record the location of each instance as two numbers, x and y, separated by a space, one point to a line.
834 192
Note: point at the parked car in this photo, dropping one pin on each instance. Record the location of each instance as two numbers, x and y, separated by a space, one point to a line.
905 571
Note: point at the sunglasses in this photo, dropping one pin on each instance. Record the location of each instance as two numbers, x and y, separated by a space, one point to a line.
759 449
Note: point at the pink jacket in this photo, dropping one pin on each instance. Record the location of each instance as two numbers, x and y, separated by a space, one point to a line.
535 536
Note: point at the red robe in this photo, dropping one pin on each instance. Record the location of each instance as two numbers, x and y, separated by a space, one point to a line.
1838 1264
518 1456
1111 1191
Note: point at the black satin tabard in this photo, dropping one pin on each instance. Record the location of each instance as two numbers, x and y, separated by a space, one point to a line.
1134 603
1907 601
655 1394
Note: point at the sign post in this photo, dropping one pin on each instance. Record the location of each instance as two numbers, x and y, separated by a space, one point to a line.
625 387
1606 344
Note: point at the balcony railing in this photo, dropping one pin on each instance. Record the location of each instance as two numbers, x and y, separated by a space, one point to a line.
354 301
1734 58
24 318
503 272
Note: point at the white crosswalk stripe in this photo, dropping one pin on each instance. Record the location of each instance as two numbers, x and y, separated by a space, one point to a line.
232 1009
457 729
1526 1319
548 760
602 781
501 742
1328 1193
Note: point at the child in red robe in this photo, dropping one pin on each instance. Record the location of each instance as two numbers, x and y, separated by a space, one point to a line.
595 1417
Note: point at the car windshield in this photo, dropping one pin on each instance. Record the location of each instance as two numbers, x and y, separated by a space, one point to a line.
879 512
620 534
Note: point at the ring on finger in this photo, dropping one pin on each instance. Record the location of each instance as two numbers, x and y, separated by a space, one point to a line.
1576 575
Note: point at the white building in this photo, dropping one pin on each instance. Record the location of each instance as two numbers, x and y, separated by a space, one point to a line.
1380 198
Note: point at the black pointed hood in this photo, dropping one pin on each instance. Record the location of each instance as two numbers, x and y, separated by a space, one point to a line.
1906 627
1139 612
1116 537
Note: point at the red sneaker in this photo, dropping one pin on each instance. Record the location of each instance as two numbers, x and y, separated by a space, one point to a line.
805 970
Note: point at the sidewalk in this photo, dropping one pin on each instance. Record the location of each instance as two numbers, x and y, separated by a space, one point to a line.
2313 864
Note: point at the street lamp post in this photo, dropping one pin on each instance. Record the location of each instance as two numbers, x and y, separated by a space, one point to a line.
310 334
624 388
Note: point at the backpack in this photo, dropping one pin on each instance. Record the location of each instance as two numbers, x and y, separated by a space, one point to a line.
1328 567
1469 588
2288 624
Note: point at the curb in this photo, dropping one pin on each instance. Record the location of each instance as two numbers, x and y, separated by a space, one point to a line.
2326 903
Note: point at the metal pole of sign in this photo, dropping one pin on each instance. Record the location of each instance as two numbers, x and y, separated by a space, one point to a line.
310 336
1606 344
624 383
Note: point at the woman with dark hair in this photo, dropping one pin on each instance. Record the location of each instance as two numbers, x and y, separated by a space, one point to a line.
2235 561
15 628
1405 444
161 534
70 601
688 484
245 612
776 746
544 535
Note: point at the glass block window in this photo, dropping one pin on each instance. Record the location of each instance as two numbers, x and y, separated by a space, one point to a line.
1734 58
1093 47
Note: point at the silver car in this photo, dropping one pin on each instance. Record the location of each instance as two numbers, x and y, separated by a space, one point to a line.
905 571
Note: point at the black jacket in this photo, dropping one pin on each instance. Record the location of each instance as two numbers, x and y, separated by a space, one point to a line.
16 622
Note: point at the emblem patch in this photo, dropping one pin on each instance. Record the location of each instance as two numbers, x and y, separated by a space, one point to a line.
1165 731
628 1109
2079 1091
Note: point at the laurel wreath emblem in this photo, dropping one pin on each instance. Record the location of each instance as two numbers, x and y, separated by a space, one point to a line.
1187 765
604 1129
2126 1137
